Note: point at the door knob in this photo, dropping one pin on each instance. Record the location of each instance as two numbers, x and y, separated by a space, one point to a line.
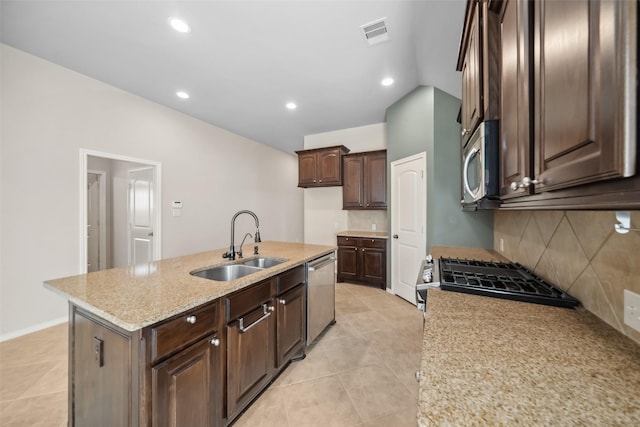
395 236
150 234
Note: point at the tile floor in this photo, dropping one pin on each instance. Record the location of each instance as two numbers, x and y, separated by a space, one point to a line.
360 372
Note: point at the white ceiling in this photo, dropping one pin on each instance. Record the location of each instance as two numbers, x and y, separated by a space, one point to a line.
243 60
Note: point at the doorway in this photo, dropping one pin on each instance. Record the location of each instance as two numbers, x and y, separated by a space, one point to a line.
112 194
408 223
96 221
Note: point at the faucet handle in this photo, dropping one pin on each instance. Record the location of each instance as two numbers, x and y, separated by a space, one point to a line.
255 250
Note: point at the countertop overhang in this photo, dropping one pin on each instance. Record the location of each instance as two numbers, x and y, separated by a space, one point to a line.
138 296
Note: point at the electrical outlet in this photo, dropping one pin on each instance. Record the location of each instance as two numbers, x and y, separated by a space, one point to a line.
501 245
374 227
632 309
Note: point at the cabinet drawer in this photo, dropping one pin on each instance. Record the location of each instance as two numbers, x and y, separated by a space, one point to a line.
245 300
373 243
176 334
347 241
290 279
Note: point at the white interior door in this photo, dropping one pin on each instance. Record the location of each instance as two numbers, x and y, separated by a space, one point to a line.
408 223
141 216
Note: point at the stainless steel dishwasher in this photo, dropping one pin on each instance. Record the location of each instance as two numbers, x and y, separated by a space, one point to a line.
321 295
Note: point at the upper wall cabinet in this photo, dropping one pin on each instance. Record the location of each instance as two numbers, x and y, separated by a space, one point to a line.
568 102
478 60
365 180
321 167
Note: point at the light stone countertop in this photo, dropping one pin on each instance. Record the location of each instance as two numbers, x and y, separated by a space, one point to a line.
487 361
135 297
365 234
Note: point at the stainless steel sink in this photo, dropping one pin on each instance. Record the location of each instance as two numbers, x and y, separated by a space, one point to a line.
263 262
225 273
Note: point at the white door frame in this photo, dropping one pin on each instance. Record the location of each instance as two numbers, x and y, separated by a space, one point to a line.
84 155
102 215
423 247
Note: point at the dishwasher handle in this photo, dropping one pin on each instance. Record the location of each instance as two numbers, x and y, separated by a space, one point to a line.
319 263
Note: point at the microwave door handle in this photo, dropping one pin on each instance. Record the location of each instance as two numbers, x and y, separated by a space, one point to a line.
465 170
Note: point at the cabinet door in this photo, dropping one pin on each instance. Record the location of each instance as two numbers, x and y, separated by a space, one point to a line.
250 357
471 85
291 325
352 191
375 181
101 383
515 127
585 91
347 262
374 265
329 167
187 388
307 168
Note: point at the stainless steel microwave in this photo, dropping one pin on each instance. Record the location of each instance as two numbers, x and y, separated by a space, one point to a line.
480 167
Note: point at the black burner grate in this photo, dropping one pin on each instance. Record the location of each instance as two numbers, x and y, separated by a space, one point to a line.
500 280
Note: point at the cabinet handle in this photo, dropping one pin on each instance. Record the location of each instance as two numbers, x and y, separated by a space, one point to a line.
215 341
282 301
319 180
191 319
266 312
464 132
395 236
526 182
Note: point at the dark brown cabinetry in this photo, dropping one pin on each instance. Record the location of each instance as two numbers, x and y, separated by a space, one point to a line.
100 385
362 260
321 167
291 319
582 92
186 369
515 112
187 388
365 180
250 344
568 104
478 62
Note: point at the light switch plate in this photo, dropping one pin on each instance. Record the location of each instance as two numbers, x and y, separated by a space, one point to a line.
632 309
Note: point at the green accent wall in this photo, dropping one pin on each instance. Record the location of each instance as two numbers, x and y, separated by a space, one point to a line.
425 120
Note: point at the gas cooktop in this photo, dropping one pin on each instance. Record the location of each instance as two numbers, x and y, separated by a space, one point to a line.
501 280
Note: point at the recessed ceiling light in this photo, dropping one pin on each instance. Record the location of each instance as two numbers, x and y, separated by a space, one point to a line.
182 94
291 105
387 81
179 25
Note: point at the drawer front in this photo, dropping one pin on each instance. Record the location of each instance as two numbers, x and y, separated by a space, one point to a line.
245 300
373 243
176 334
290 279
347 241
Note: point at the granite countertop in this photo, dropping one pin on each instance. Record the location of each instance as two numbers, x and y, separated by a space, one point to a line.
487 361
365 234
135 297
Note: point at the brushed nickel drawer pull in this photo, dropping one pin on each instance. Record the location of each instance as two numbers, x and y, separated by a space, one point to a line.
266 312
192 319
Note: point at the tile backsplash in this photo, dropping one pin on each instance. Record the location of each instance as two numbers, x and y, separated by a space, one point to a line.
579 252
362 220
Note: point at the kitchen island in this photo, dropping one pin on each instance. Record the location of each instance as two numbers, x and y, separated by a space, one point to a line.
487 361
154 345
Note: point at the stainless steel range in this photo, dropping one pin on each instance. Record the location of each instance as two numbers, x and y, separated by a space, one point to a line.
500 280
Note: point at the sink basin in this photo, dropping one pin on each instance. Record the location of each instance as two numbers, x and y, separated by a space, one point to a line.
263 262
225 273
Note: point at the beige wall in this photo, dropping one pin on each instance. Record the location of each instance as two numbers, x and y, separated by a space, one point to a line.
579 252
323 214
48 113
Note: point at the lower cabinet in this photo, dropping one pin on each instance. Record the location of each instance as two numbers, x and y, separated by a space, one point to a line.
362 260
250 345
290 336
186 388
202 367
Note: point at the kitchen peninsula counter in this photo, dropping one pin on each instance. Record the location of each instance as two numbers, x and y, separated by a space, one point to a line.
487 361
135 297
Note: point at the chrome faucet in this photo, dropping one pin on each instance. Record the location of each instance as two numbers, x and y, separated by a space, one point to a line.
231 253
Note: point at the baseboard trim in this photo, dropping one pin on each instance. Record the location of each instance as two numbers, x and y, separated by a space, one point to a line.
34 328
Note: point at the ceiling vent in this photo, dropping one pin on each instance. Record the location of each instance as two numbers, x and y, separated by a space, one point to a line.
375 32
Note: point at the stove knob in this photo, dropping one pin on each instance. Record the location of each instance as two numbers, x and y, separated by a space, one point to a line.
429 259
